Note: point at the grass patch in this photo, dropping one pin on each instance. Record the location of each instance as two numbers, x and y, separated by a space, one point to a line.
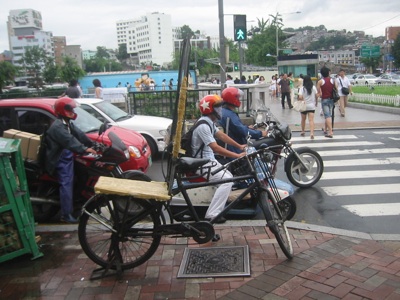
377 90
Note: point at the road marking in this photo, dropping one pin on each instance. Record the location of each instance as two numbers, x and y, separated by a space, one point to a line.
353 190
394 139
360 174
358 152
338 144
387 132
371 210
363 162
322 138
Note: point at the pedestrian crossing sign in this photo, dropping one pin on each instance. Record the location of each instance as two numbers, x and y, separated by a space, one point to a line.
240 28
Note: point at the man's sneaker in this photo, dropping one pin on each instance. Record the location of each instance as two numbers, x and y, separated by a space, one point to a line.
68 219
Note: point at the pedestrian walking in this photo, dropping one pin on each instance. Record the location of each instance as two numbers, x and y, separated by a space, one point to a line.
308 93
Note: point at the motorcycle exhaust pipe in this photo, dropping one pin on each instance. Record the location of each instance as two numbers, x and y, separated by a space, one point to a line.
40 200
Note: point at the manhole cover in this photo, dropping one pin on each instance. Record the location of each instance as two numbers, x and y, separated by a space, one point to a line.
215 262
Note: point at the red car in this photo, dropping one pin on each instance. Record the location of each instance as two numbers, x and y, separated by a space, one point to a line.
36 114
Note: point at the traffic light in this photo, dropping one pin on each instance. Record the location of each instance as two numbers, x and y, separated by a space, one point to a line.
235 67
240 28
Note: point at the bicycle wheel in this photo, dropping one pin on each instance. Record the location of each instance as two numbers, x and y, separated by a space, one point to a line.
276 224
105 232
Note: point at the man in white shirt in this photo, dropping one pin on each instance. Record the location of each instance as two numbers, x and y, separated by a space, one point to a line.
343 82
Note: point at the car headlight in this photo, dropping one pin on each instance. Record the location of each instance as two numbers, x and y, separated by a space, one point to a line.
134 152
163 132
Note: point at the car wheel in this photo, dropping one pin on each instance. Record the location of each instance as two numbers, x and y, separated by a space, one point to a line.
152 145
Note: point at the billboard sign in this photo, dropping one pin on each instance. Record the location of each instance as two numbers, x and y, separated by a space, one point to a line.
370 51
25 18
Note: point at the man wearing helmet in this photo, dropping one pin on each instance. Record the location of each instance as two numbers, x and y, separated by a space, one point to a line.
203 138
231 122
62 139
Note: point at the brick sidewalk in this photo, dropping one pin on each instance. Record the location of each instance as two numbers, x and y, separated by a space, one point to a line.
325 266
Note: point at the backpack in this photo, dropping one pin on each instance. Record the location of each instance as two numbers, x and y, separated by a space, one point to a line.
186 140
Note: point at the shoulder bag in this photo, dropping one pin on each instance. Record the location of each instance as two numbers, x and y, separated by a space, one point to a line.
345 90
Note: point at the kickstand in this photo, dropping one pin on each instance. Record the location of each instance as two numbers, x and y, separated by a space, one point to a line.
114 259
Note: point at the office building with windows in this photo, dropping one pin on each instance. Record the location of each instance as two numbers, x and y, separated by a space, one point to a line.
25 30
148 39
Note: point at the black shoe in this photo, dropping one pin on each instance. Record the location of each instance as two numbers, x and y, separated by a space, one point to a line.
68 219
283 107
220 220
291 107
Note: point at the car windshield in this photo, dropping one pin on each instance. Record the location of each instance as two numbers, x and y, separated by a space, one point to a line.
85 121
370 76
112 111
396 77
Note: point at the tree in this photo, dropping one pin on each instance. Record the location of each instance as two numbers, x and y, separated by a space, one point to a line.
122 52
7 74
70 70
186 31
396 51
34 61
102 52
260 45
370 62
51 72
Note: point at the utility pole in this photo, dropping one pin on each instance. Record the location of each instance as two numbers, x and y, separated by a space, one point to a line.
222 58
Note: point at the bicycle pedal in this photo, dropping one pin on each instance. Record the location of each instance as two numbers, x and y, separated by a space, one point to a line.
216 238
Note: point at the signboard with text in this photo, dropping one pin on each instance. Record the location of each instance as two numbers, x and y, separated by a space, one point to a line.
370 51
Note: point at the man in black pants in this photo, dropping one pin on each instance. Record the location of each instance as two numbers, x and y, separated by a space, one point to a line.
285 91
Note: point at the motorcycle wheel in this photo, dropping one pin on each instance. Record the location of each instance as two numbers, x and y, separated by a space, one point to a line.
288 208
43 212
297 174
106 233
276 224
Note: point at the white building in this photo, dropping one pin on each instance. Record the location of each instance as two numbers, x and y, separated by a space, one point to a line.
25 31
339 57
148 39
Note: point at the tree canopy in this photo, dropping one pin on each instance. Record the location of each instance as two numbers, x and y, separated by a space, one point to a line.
7 74
396 51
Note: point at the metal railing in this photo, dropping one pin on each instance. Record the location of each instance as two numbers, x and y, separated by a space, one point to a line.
161 103
385 100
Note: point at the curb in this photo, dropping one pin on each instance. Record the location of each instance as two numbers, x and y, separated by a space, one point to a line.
385 109
259 223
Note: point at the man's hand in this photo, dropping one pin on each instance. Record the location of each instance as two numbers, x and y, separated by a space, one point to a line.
91 150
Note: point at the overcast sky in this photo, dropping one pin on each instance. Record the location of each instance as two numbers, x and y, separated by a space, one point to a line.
92 23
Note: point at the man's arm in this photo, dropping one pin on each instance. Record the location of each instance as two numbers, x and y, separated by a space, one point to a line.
224 152
226 139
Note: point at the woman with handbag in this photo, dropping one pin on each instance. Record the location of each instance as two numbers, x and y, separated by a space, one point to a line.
344 90
308 94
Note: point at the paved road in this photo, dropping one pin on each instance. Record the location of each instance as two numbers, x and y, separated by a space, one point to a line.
359 189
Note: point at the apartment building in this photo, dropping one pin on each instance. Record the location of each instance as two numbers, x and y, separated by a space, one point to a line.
148 39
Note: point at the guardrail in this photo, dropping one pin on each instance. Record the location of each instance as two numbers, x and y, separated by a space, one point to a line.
161 103
385 100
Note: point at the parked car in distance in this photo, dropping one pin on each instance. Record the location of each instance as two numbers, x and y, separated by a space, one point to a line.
388 79
365 79
35 115
152 128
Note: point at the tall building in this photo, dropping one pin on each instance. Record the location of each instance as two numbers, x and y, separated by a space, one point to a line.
75 52
392 32
148 39
25 31
60 42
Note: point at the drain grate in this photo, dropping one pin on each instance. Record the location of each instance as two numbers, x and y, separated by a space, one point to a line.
215 262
